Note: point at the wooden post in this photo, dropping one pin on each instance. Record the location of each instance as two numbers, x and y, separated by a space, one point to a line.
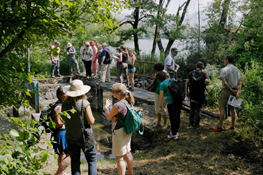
100 97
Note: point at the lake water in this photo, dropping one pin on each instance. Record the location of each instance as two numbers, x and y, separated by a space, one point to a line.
145 45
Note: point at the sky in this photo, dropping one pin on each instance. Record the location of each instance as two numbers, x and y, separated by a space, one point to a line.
192 12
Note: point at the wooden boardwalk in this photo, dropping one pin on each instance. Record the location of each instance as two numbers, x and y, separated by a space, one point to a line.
141 95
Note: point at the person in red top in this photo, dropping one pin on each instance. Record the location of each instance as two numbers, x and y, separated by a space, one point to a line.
196 81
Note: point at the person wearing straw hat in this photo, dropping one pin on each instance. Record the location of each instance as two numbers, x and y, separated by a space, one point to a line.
76 140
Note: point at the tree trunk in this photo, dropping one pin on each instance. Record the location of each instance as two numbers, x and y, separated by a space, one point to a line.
223 19
156 33
171 41
135 27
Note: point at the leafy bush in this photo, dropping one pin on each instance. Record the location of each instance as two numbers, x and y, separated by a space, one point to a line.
214 86
20 153
252 95
148 67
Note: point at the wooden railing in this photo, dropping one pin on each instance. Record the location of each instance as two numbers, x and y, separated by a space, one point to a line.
143 71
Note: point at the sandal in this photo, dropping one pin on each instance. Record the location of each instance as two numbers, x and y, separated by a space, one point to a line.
156 125
164 127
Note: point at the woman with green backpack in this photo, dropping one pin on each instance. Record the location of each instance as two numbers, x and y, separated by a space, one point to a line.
121 141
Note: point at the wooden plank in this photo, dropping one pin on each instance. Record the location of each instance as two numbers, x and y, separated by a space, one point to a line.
203 112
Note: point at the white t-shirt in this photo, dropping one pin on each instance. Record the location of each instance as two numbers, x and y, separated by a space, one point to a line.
232 75
86 54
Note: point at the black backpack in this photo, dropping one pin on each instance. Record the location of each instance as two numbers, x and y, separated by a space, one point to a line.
108 56
197 86
176 88
47 118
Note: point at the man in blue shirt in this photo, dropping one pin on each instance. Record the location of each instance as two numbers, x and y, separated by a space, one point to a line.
169 64
105 65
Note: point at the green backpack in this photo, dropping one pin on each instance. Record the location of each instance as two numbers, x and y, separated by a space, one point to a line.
133 120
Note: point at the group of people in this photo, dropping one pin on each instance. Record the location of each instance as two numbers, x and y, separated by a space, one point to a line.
98 58
70 136
195 91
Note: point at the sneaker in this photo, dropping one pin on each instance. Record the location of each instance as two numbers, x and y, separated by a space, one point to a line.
218 129
156 125
58 75
52 76
164 127
231 127
177 134
171 136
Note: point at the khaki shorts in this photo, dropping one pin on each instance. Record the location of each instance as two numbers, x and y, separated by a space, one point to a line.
164 103
223 97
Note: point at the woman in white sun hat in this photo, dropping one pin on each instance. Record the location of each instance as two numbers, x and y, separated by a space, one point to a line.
76 141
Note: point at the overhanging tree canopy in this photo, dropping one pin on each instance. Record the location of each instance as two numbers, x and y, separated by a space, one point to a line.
24 22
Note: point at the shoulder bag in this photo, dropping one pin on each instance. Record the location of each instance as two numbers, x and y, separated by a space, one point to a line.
88 135
152 86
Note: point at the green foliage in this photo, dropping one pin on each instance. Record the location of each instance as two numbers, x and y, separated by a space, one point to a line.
20 153
252 95
32 24
148 67
215 85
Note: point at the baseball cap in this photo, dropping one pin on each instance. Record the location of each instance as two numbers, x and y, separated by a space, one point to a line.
174 49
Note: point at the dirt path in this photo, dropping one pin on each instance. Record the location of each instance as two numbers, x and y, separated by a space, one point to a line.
197 151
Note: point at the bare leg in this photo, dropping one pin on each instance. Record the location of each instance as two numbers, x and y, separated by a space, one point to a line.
159 118
222 116
234 116
129 160
63 163
131 78
121 166
164 119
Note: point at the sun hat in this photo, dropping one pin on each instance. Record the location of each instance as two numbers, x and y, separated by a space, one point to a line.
76 88
87 43
104 44
69 44
174 49
92 43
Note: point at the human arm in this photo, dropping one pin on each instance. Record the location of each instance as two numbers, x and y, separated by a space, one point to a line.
110 114
82 56
235 92
91 52
186 88
58 120
133 61
120 56
89 115
103 58
239 86
170 69
72 52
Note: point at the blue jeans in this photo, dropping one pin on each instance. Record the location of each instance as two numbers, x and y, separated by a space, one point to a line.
74 151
